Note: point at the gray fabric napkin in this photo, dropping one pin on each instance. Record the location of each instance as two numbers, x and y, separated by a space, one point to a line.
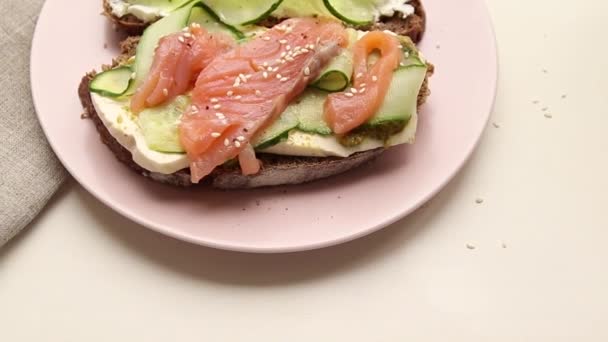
29 171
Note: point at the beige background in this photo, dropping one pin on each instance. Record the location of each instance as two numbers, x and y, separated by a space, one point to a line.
83 273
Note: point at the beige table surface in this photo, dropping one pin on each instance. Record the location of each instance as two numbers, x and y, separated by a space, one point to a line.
83 273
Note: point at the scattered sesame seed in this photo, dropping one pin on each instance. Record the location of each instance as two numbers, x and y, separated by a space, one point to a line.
230 93
265 74
238 97
275 69
181 39
217 106
289 58
349 94
248 76
220 116
215 134
237 82
535 102
353 90
258 92
374 78
284 79
194 108
548 116
269 69
479 200
226 142
504 245
279 76
166 92
470 246
133 76
240 138
188 34
312 46
362 90
283 41
564 96
495 125
390 32
214 100
283 61
243 78
283 54
359 75
266 38
307 71
237 144
288 47
544 109
362 85
305 51
265 64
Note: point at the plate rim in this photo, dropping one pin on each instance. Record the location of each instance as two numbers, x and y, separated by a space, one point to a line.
231 246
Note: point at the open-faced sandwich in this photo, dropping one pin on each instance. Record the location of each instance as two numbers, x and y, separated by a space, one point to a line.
258 93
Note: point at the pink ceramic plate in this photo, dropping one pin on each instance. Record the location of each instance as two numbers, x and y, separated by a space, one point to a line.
279 219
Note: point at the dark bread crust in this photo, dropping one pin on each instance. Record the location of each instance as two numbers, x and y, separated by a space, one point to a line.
413 26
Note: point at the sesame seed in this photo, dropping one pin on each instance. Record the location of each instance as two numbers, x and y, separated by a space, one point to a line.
240 138
312 46
217 106
265 64
363 85
375 78
470 246
283 61
188 35
166 92
353 90
289 58
258 92
243 78
133 76
226 142
215 134
275 69
220 116
283 54
266 38
349 94
305 50
248 76
479 200
238 97
288 47
265 74
230 93
279 76
362 90
278 60
214 100
185 29
194 108
237 144
284 79
181 39
269 69
283 41
307 71
237 82
548 116
359 75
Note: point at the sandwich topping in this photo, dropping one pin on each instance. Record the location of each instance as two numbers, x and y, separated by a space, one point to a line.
201 92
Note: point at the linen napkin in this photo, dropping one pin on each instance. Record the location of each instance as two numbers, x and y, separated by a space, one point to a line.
29 171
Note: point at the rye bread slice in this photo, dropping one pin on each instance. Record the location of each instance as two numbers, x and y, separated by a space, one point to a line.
276 170
413 26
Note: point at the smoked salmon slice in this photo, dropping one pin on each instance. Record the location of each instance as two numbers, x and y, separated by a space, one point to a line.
178 60
244 90
350 109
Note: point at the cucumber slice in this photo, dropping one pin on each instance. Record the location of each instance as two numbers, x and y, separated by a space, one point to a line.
299 8
160 125
401 100
336 76
354 12
204 16
112 83
309 111
277 131
241 13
